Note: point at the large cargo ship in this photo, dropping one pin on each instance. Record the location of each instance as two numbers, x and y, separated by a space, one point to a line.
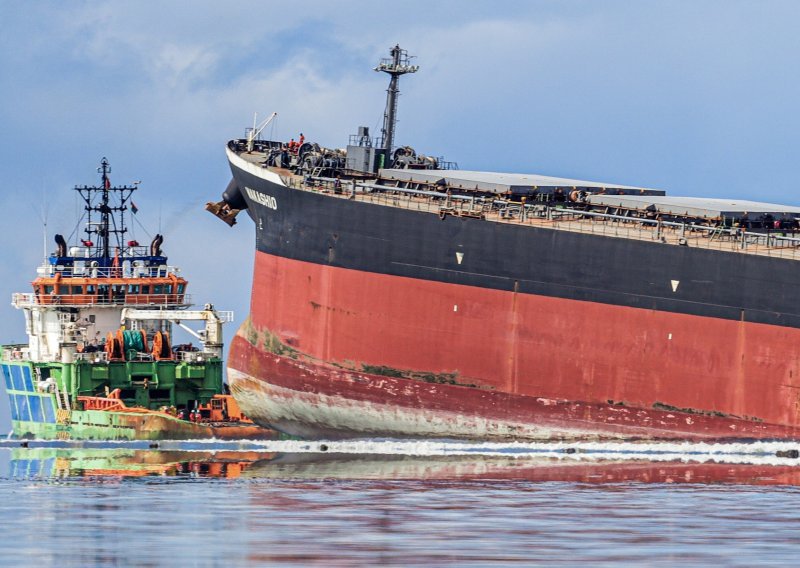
397 295
99 363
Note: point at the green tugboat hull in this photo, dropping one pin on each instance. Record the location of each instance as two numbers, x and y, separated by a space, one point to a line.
52 415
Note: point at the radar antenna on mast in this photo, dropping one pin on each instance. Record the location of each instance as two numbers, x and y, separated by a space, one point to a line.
396 65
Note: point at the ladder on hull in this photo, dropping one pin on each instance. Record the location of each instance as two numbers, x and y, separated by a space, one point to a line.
62 399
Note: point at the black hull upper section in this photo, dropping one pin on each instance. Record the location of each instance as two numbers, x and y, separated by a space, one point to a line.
324 229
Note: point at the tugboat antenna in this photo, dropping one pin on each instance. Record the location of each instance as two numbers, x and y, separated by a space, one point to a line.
43 215
396 65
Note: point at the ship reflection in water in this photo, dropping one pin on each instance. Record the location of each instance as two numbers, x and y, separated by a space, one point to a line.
326 504
749 464
63 463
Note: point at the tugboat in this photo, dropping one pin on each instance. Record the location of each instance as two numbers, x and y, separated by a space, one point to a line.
99 363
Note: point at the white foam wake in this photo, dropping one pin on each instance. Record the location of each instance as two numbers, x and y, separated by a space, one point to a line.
755 452
777 452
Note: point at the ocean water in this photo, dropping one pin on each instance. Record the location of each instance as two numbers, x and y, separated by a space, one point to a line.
397 503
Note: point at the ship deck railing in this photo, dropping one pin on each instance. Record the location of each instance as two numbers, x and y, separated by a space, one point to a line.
194 356
30 299
18 352
101 356
92 356
48 270
774 243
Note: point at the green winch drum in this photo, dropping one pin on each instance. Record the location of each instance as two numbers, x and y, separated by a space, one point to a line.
133 341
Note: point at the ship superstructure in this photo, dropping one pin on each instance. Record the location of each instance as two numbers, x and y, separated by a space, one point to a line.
100 362
395 294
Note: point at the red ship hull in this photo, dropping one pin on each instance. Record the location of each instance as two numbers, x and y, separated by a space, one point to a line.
337 352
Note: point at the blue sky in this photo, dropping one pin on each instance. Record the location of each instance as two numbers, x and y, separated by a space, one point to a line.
697 98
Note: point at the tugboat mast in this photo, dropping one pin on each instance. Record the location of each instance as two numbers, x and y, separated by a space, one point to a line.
396 65
112 215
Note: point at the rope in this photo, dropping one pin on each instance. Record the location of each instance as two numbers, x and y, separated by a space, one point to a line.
146 232
77 225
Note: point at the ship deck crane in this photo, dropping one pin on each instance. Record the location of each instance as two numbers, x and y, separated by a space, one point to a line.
210 337
253 134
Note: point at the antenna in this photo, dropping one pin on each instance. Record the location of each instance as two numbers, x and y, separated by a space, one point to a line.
396 65
44 236
43 215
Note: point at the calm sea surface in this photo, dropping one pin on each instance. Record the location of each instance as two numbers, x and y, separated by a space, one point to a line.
230 507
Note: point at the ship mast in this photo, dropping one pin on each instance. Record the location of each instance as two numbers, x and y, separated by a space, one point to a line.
396 65
98 202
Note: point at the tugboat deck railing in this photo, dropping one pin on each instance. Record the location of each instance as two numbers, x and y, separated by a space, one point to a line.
16 352
50 270
30 299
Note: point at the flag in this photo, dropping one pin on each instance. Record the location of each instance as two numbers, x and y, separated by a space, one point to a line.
106 182
134 209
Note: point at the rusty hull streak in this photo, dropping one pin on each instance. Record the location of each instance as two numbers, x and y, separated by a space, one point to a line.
272 343
312 399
